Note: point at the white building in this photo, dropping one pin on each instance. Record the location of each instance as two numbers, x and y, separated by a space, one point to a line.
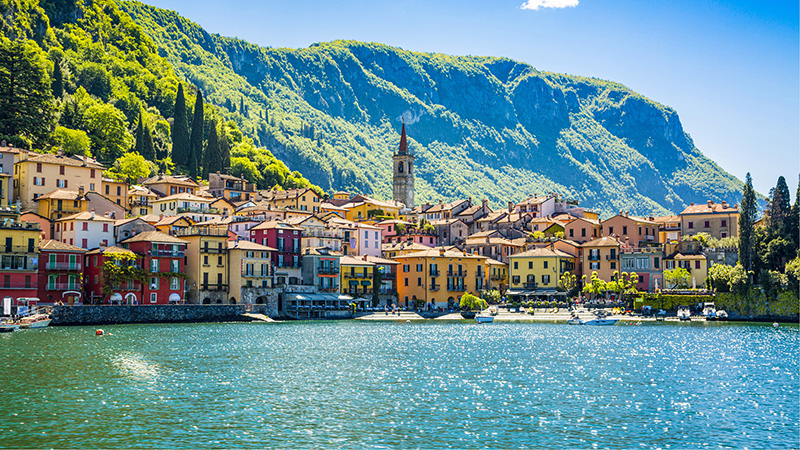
85 230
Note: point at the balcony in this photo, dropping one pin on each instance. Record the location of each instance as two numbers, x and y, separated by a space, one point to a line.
63 286
17 286
168 253
201 231
18 249
529 285
212 249
593 257
328 288
213 287
436 287
19 225
456 287
63 266
140 203
15 268
497 277
459 274
328 270
197 210
435 272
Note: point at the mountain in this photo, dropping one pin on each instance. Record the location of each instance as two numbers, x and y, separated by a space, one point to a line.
480 126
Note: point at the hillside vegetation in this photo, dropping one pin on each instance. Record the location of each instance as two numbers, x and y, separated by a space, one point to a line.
480 126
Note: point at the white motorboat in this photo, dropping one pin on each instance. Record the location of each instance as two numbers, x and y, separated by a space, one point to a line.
480 318
7 326
684 313
722 314
709 311
601 318
35 321
599 321
574 320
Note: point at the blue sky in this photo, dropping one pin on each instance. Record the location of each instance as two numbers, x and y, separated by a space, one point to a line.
730 69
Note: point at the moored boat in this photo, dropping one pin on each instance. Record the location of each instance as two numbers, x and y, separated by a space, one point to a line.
709 311
684 313
480 318
7 326
35 321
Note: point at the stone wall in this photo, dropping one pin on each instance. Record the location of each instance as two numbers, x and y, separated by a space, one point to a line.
112 314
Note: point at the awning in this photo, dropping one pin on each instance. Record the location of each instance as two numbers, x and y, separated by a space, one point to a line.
174 298
116 297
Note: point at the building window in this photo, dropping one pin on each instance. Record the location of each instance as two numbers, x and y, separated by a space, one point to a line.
84 243
406 282
174 283
39 167
545 264
530 264
625 231
154 283
707 224
419 281
610 230
697 264
613 265
153 266
91 175
545 279
724 223
515 279
516 265
175 265
85 226
153 298
691 224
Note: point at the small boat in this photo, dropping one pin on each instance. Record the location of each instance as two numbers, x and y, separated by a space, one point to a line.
684 313
574 320
468 314
601 318
599 321
709 311
8 325
35 321
722 314
484 319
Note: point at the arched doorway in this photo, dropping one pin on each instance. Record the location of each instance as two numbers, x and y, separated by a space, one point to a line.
219 302
206 301
130 298
232 300
260 301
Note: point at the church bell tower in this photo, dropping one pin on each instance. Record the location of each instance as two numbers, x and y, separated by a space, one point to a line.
403 178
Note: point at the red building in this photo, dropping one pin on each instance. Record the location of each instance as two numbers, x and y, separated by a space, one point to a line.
60 272
285 238
100 290
163 258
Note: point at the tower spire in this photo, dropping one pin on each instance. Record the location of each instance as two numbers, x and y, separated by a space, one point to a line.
403 150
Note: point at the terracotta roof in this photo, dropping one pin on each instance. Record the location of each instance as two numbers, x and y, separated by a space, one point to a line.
184 196
445 222
331 207
437 253
87 215
154 236
483 234
689 256
444 206
633 219
140 191
249 246
74 161
112 249
383 261
403 246
533 201
169 220
605 241
590 221
351 261
667 219
284 195
181 181
321 251
471 210
151 218
53 245
271 224
711 208
542 253
495 262
61 194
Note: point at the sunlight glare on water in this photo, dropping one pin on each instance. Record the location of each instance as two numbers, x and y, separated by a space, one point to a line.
389 385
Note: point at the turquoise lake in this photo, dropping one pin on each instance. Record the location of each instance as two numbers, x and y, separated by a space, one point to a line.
424 385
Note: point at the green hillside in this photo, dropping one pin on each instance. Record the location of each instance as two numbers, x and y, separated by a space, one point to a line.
480 126
82 76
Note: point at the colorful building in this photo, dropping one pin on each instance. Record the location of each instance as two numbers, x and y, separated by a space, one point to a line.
162 257
250 267
206 264
719 220
357 276
582 230
60 272
632 231
647 264
19 260
37 174
107 285
321 269
303 199
140 200
537 272
60 203
601 256
85 230
438 277
285 239
116 191
695 263
166 185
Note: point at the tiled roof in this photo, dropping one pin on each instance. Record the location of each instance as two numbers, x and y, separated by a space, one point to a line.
542 253
87 215
184 196
711 208
249 246
438 253
169 220
180 181
383 261
605 241
154 236
444 206
112 249
53 245
284 195
61 194
351 261
272 224
74 161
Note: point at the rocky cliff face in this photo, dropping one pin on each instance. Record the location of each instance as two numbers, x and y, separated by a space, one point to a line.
481 126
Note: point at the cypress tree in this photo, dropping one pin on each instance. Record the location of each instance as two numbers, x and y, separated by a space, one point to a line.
225 149
180 130
196 138
747 220
148 151
137 146
780 208
241 106
213 159
58 81
793 223
26 97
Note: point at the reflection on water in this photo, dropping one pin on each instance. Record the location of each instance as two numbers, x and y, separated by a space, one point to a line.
389 385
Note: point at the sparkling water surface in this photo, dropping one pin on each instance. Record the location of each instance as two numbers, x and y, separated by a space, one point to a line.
401 385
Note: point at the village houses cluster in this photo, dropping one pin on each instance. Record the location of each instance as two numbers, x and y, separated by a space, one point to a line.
75 237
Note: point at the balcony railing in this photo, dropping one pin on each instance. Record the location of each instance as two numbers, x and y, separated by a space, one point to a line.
17 286
456 287
328 270
254 274
63 286
168 253
435 272
194 209
212 249
18 249
140 203
497 277
529 285
436 287
63 266
328 288
594 257
213 287
17 268
460 274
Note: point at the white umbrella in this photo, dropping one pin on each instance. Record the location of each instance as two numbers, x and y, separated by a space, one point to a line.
694 283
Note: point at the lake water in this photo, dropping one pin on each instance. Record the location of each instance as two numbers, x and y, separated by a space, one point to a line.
401 385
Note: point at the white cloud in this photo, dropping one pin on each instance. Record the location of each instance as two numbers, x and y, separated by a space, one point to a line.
536 4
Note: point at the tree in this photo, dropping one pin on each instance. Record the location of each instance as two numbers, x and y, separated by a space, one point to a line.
780 209
57 86
225 148
793 222
73 142
747 220
26 98
180 129
139 136
212 161
719 277
567 282
677 278
595 286
470 302
148 152
196 137
108 130
132 166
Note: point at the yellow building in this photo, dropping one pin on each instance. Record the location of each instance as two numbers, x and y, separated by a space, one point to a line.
249 267
206 264
173 224
223 206
116 191
6 191
140 201
303 199
37 174
695 263
362 207
19 254
60 203
396 249
438 277
537 271
591 215
165 185
357 276
498 275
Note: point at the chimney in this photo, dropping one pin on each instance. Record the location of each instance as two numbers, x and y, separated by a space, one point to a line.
441 251
724 204
485 203
710 203
510 206
691 204
470 201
